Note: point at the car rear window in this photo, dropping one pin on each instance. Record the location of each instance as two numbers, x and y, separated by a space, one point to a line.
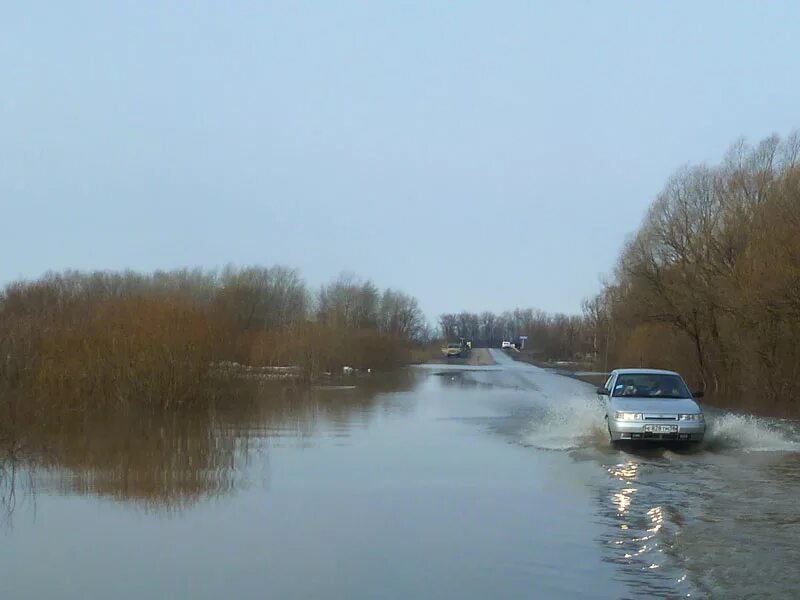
651 385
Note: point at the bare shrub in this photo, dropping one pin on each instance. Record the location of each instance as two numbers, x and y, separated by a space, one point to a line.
86 341
148 351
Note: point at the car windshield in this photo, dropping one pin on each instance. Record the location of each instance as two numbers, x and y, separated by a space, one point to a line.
651 385
454 345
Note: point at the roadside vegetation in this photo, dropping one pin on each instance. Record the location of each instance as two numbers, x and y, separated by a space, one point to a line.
78 342
710 283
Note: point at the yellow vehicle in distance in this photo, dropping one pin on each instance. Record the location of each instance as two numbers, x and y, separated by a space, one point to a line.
453 350
457 349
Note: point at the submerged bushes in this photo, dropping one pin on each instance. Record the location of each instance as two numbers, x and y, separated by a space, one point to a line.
154 352
95 340
317 348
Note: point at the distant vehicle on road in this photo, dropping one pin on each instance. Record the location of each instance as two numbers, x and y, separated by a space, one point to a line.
652 405
505 345
453 349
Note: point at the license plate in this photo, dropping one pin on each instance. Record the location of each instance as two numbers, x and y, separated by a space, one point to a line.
661 428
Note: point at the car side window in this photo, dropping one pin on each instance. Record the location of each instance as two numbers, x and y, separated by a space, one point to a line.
622 387
607 384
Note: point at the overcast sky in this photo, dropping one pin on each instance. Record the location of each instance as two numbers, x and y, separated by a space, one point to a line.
477 155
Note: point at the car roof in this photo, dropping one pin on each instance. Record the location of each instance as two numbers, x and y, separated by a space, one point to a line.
643 372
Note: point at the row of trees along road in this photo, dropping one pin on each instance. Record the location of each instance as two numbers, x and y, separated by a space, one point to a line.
710 282
550 336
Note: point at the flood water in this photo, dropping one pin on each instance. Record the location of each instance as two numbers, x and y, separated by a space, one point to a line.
435 482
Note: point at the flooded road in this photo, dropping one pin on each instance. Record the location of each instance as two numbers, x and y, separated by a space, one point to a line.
437 482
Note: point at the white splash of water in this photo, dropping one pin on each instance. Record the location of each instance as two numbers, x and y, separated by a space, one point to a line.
568 423
578 421
747 432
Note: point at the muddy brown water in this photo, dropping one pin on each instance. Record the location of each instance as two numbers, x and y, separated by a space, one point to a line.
436 482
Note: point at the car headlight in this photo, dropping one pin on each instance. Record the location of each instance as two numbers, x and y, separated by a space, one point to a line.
627 416
695 417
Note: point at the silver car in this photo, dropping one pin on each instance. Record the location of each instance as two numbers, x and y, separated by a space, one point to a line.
654 405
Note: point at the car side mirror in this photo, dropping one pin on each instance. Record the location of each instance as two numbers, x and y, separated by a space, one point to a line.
698 394
602 392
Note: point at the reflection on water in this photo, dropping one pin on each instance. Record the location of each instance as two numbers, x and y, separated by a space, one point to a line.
718 520
171 461
372 489
15 482
634 534
420 501
703 523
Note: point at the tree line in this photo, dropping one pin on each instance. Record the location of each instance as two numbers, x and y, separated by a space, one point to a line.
710 282
550 336
90 339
